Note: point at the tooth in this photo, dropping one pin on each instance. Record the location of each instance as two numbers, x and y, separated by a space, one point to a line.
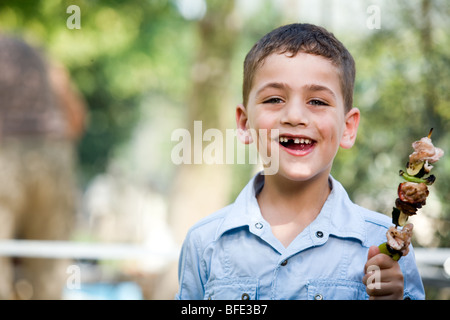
302 140
307 141
297 140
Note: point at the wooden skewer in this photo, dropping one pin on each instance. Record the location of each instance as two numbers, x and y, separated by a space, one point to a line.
429 133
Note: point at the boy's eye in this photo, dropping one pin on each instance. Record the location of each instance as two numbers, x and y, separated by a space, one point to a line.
316 102
273 101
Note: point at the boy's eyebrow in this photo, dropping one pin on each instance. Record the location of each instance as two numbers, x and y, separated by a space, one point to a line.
318 87
309 87
275 85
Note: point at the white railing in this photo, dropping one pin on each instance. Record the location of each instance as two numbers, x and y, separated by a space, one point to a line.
80 250
434 266
434 256
433 263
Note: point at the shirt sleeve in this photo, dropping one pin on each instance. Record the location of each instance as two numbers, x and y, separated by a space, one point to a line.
413 286
190 273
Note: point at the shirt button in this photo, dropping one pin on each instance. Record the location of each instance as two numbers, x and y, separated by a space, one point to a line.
318 297
245 296
284 263
319 234
258 225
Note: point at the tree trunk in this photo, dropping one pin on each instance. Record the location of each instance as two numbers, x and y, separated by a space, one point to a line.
200 189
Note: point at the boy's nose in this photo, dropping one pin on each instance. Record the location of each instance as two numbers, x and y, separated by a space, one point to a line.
295 114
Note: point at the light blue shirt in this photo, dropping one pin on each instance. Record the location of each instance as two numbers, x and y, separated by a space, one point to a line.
233 254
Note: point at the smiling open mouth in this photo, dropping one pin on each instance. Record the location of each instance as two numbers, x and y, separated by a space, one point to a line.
296 143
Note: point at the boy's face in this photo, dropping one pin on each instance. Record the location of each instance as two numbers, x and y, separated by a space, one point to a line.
301 97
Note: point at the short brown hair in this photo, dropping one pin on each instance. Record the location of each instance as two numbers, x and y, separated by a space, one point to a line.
307 38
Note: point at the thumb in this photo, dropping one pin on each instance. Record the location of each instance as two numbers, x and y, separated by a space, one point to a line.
373 251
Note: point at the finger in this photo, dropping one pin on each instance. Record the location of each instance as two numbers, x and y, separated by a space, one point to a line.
373 251
384 291
376 288
382 261
385 297
384 283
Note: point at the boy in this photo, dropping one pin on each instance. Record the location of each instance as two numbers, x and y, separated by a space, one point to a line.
295 234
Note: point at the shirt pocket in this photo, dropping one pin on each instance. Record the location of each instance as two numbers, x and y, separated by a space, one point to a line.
243 288
336 289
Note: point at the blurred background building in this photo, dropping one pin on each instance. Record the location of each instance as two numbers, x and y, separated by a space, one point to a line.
143 69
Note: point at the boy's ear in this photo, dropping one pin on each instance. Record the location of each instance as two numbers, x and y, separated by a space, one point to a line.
243 133
351 128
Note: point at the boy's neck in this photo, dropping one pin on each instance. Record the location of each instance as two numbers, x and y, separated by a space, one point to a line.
290 206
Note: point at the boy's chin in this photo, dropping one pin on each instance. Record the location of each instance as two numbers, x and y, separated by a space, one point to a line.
298 173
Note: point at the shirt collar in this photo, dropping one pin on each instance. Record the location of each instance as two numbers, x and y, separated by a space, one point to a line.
339 216
245 210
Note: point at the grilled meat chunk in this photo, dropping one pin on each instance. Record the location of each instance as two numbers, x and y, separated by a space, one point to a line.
400 239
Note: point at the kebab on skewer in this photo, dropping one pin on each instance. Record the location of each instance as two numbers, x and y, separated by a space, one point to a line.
412 196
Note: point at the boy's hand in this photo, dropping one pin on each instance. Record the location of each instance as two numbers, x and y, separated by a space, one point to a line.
383 277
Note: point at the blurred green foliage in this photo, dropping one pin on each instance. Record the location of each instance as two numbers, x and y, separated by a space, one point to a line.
131 58
402 90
